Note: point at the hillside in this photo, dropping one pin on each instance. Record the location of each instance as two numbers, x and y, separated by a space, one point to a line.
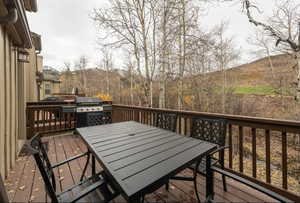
258 78
251 90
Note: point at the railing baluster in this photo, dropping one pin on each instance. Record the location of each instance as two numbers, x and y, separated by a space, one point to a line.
151 118
38 120
241 149
60 119
268 156
254 169
147 117
185 126
44 120
180 127
284 161
65 120
230 145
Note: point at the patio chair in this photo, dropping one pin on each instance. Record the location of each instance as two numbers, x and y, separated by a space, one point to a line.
166 121
247 182
214 131
99 118
209 130
96 182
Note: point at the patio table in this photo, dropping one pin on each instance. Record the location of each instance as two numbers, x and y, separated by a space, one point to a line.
138 158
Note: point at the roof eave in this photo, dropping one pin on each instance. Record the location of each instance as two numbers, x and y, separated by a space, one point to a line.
19 31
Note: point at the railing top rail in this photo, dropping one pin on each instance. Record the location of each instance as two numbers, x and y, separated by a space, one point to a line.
41 103
232 118
45 103
40 107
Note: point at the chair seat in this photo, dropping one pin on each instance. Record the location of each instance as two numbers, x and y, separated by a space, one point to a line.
88 186
202 166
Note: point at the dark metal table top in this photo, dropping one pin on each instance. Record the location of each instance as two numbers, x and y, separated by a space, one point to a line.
139 157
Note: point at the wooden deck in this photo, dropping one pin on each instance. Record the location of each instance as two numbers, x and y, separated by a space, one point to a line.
24 183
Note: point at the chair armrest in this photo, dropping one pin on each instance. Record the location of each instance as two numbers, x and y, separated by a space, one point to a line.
251 184
219 149
70 159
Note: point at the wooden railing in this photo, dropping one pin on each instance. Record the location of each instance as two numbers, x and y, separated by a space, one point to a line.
48 118
259 147
248 139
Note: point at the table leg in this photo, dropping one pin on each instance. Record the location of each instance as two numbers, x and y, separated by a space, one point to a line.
86 165
209 180
195 179
93 166
136 199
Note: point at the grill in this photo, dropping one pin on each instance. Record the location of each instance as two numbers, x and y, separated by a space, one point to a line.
89 112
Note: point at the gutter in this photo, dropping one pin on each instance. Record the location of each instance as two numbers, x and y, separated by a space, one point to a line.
12 15
34 7
23 20
16 23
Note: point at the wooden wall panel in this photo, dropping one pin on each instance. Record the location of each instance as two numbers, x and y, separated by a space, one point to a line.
22 103
7 104
17 101
13 107
2 102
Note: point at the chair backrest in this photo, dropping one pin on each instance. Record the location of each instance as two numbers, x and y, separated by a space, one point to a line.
166 121
99 118
210 130
37 148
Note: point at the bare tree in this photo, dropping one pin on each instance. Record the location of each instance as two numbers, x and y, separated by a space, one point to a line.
264 44
81 67
225 54
67 77
107 66
284 28
132 23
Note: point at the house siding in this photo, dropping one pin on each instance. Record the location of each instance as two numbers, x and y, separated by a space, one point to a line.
8 103
17 86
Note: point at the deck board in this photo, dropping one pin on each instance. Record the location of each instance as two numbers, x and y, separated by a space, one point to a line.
24 183
15 175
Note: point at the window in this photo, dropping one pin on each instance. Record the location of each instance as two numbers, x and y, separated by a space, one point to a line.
47 89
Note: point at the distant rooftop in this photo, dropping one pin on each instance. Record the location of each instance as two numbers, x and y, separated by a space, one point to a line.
50 69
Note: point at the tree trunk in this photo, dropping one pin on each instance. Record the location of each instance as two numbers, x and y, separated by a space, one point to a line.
271 63
298 77
182 50
107 82
131 86
151 93
162 81
162 92
224 90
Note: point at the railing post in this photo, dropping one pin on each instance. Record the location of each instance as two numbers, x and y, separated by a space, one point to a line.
230 145
241 149
30 122
268 156
284 161
254 170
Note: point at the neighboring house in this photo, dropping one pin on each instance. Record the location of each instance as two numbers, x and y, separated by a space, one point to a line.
19 65
50 84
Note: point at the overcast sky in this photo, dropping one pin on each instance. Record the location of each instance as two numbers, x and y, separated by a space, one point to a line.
68 32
